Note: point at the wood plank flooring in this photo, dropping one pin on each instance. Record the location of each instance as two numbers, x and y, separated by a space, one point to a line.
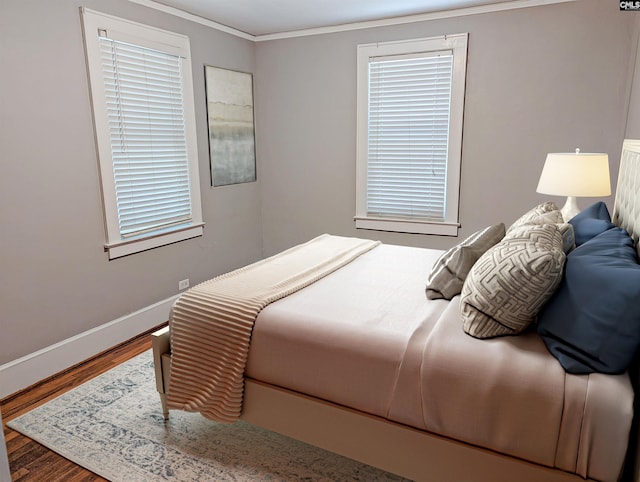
30 461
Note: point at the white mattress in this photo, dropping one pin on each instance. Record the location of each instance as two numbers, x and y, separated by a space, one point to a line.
367 337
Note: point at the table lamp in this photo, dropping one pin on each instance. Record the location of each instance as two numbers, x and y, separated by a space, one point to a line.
579 174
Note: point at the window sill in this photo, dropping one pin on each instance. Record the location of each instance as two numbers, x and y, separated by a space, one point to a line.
125 248
406 226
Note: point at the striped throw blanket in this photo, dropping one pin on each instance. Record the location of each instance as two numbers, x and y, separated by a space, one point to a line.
211 323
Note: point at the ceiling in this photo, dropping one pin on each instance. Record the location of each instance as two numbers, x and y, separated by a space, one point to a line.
271 17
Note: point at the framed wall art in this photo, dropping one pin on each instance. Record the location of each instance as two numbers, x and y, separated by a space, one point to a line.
232 151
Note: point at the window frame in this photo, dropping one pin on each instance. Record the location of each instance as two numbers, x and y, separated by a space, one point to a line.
162 40
457 43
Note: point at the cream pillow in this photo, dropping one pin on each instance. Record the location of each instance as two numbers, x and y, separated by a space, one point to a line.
547 213
450 270
509 284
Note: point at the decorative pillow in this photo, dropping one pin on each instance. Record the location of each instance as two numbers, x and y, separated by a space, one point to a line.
592 323
547 213
450 270
591 222
568 236
509 284
539 215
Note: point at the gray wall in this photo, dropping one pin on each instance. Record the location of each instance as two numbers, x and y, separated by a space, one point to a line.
540 79
56 280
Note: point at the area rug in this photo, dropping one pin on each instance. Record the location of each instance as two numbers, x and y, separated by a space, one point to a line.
113 426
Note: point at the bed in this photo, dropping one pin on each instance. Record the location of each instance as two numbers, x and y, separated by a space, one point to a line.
387 377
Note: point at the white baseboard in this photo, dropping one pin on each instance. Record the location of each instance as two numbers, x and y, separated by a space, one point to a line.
29 369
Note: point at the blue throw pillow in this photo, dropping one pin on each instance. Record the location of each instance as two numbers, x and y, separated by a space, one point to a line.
592 322
591 222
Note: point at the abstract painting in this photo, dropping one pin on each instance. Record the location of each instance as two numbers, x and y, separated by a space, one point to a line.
231 130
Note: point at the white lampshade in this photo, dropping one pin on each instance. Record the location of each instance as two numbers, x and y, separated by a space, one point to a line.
579 174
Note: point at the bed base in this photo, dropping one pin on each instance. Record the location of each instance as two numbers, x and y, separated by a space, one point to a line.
390 446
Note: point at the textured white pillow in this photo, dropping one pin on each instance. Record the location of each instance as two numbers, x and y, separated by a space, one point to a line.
547 213
451 269
509 284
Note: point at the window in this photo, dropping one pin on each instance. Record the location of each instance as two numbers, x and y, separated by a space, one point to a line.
409 144
142 95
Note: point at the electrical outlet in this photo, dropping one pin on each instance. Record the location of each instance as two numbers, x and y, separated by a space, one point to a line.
184 284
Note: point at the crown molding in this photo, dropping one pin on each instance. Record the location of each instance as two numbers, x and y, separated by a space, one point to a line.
194 18
460 12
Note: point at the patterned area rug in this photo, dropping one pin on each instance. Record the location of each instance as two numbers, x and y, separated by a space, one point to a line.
113 426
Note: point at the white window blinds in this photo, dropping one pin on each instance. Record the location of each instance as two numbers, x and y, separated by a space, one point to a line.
408 135
144 96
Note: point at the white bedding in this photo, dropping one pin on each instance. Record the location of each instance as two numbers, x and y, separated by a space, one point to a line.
211 324
344 340
376 344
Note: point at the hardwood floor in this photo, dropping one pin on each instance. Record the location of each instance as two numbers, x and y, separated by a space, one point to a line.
30 461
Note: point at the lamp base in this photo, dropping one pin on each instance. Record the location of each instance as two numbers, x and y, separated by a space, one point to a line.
570 208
